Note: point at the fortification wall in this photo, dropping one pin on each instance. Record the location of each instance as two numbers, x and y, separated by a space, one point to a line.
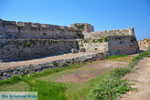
36 48
122 45
98 34
28 30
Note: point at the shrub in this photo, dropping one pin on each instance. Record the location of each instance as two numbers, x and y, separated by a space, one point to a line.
119 72
100 40
105 39
55 63
27 44
85 40
95 48
110 89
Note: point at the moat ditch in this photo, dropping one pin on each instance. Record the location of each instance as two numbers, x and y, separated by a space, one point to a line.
74 83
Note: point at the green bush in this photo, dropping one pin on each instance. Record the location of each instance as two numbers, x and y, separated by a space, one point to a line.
95 48
137 58
105 39
119 72
55 63
110 89
85 40
100 40
27 44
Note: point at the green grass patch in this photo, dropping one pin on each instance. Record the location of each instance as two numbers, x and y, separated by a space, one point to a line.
16 79
138 58
116 56
21 86
77 91
46 90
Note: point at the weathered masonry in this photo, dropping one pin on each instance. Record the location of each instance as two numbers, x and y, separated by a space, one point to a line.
26 40
24 30
30 49
122 45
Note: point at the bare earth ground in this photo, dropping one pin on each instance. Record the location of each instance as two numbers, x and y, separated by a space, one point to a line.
142 76
89 71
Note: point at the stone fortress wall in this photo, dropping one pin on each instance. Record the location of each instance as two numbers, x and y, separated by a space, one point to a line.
26 40
25 49
28 30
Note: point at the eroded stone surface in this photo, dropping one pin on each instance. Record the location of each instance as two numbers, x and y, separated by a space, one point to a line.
144 44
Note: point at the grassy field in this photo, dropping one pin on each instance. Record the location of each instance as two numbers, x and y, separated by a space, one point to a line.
48 86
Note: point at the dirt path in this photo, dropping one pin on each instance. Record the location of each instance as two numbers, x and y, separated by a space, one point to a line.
13 64
142 76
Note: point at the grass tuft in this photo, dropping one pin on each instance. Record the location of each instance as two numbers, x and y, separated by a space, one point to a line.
116 56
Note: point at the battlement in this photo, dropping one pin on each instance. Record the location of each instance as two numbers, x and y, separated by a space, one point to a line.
28 30
98 34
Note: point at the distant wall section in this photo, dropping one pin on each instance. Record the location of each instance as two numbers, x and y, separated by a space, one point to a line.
144 44
98 34
122 45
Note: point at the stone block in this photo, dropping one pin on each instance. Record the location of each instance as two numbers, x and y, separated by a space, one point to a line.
74 50
82 50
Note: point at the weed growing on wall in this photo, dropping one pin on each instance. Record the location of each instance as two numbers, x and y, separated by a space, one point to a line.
27 44
105 39
95 48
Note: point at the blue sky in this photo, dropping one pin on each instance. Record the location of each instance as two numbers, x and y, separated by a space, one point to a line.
102 14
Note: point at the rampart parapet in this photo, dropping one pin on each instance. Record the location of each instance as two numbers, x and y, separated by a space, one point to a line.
28 30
